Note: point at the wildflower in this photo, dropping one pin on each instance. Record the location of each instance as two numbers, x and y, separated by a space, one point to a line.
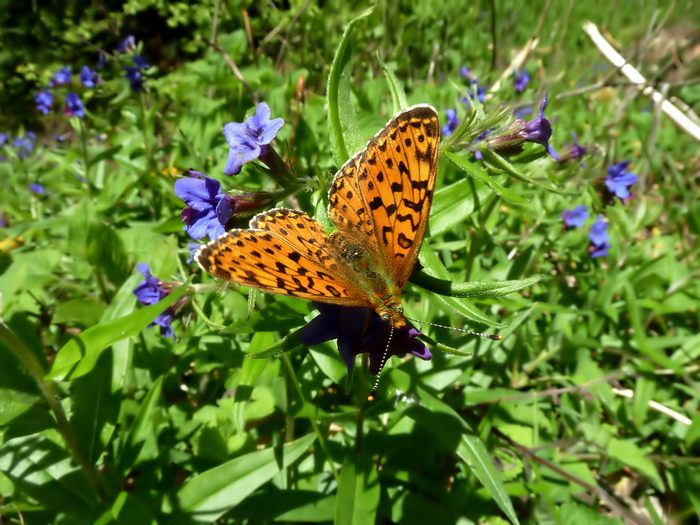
477 91
464 71
192 249
521 78
88 77
360 330
520 112
126 45
576 217
37 189
4 137
537 130
44 101
574 151
248 140
134 73
101 60
451 124
74 106
150 291
25 144
62 76
619 180
208 208
599 238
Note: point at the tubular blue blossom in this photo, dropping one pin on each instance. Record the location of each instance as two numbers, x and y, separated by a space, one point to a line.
37 189
521 78
25 144
208 208
44 101
134 73
574 151
74 106
62 76
464 71
619 180
576 217
150 291
358 331
599 238
88 77
476 90
126 45
451 124
249 140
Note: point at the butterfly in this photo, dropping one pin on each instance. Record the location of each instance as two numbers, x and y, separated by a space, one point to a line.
379 202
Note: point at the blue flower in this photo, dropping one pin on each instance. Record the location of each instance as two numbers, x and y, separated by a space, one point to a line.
25 144
464 71
4 137
62 76
477 90
248 140
101 59
359 330
619 180
522 111
574 151
208 208
37 189
539 129
521 78
126 45
134 73
576 217
599 238
451 124
88 77
44 101
74 106
150 291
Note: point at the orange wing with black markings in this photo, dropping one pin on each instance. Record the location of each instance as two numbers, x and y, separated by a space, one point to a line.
383 195
285 252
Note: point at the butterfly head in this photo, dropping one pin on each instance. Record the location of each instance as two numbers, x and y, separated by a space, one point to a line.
392 312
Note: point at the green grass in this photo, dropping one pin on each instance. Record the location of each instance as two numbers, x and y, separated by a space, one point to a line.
586 410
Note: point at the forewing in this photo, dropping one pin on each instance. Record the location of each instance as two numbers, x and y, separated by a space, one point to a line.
384 193
284 252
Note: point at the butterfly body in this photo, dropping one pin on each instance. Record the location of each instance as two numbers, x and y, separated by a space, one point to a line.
379 201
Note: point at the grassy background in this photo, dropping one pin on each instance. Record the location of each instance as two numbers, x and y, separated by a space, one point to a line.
127 426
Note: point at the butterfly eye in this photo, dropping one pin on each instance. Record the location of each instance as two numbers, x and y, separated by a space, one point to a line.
384 316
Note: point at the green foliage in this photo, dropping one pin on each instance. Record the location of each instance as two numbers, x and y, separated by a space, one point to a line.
587 409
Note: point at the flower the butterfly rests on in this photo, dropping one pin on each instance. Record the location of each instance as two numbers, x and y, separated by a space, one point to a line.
379 201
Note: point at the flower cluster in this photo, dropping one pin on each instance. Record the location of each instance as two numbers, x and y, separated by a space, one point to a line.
451 124
151 291
360 331
73 104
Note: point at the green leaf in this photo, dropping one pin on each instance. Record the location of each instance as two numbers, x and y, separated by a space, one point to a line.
398 96
473 288
209 495
628 453
79 355
358 494
437 417
342 121
477 172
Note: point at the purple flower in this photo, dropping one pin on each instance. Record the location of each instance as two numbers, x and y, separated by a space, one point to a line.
360 330
599 238
574 151
44 101
37 189
522 111
192 248
451 124
4 137
150 291
464 71
101 59
133 73
88 77
619 180
521 78
25 144
74 106
477 90
62 76
248 140
208 208
126 45
576 217
539 129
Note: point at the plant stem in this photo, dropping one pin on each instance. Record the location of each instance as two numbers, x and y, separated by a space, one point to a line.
86 161
32 364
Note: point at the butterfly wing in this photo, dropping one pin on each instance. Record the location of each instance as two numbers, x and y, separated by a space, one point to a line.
383 194
284 252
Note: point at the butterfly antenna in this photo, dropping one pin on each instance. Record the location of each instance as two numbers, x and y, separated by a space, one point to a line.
381 364
494 337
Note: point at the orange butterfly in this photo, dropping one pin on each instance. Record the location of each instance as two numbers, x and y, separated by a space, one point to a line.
379 201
